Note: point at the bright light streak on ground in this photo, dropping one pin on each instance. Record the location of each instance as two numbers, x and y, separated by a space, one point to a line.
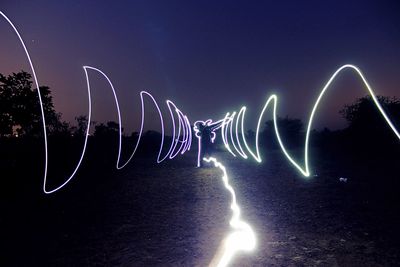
242 237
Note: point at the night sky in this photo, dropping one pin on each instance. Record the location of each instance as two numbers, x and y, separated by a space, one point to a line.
209 57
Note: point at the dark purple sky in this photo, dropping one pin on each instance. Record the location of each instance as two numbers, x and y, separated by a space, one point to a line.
209 57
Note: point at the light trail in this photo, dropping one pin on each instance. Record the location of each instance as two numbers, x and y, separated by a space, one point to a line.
199 127
304 168
184 123
232 124
232 133
242 238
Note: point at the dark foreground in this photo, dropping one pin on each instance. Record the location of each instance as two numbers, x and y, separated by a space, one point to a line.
173 214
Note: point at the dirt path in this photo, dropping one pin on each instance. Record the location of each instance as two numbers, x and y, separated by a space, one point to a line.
175 215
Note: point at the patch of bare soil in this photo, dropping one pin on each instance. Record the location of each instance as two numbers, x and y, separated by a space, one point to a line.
173 214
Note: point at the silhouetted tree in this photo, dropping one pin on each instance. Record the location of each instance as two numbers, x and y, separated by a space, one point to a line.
368 131
134 135
80 129
20 107
363 113
290 130
150 141
110 129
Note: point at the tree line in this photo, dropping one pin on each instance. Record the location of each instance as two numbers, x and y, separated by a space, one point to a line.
20 114
20 117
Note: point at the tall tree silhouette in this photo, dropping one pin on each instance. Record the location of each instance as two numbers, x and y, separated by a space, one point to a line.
367 129
20 107
363 114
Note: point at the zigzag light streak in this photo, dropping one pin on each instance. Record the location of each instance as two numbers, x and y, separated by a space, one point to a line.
273 99
184 124
242 238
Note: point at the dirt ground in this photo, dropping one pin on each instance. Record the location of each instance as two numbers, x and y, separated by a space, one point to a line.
173 214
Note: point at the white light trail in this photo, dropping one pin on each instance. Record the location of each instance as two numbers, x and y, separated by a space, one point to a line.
304 168
242 237
199 127
232 132
228 124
